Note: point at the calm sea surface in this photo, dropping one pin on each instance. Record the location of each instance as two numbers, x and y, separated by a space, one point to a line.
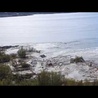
59 27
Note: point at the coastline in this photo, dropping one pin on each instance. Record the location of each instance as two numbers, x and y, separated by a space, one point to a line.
61 63
76 60
15 14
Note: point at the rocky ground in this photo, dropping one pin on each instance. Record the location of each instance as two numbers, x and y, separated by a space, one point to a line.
39 61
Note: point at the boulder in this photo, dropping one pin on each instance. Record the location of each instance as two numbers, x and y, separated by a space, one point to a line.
77 60
43 56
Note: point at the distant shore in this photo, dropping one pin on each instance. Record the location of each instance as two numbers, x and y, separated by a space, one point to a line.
12 14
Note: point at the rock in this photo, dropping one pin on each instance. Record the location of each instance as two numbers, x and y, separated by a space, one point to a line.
77 60
38 51
90 64
43 56
50 64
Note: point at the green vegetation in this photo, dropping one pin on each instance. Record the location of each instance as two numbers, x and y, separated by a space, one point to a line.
47 78
42 79
77 60
25 82
18 77
5 72
13 56
5 75
31 49
22 53
4 57
25 65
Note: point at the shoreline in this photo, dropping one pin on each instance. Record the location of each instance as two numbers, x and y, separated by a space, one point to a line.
61 63
16 14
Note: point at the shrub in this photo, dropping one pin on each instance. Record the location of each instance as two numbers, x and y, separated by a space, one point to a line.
56 78
25 82
22 53
70 82
18 77
25 65
77 60
44 78
31 49
13 56
1 53
49 78
5 72
5 82
14 63
4 57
